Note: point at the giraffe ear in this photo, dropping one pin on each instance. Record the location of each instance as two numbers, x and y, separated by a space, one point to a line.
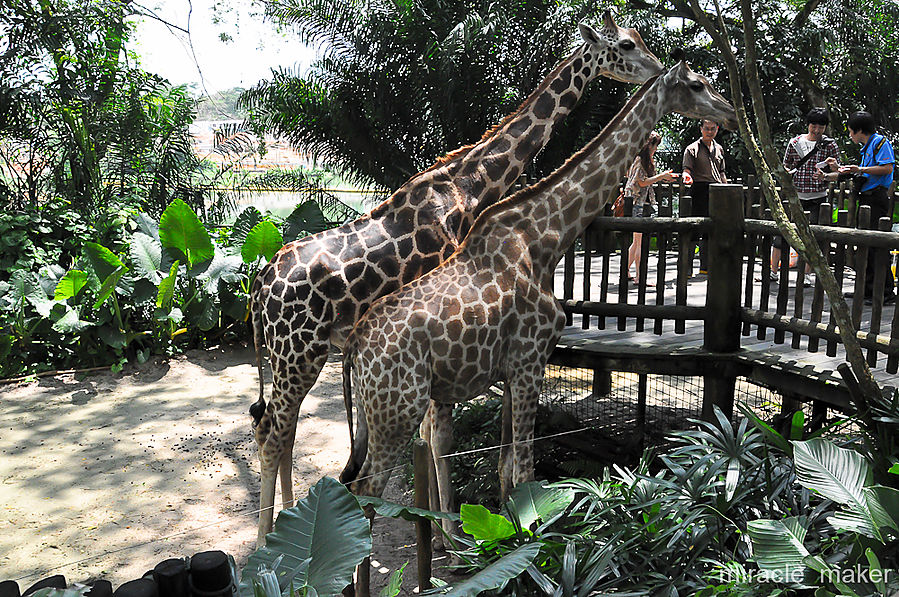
588 33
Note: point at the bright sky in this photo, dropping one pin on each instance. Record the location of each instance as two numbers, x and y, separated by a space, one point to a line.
255 48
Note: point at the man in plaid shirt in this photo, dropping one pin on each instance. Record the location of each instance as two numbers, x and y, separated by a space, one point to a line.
812 192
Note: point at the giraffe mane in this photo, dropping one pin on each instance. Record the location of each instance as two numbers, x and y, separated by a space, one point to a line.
495 128
452 155
543 86
528 193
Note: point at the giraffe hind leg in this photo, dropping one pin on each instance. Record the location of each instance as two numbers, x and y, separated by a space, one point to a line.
276 430
358 452
388 437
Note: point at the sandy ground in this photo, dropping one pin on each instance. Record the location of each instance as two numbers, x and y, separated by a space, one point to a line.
105 475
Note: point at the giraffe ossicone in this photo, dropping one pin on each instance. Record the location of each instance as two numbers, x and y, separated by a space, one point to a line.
312 292
488 313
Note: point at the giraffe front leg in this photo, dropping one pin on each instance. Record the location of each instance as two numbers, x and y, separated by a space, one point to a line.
525 392
269 473
505 450
441 445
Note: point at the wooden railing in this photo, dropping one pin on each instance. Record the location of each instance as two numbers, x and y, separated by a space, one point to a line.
741 300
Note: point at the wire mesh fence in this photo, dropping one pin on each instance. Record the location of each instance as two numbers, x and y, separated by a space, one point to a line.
624 406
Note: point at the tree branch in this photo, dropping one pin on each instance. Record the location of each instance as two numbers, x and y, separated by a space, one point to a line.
766 160
802 16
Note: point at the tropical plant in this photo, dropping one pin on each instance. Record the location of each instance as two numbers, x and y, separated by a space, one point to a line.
663 532
866 525
157 283
400 84
314 548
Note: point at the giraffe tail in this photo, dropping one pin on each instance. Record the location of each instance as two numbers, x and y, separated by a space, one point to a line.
359 441
257 409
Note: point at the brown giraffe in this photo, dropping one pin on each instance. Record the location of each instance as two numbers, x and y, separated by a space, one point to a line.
314 289
488 313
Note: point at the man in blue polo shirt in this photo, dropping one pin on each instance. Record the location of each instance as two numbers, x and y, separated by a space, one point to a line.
877 168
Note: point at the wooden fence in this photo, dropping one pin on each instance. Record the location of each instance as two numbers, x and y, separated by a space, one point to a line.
741 300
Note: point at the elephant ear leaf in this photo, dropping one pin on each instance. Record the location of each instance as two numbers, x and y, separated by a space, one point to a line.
532 502
146 256
483 525
70 285
318 543
264 240
102 260
109 285
245 221
180 230
307 218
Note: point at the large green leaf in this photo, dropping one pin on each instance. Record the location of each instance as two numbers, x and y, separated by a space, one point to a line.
532 502
49 276
70 322
25 287
307 218
777 547
221 267
322 540
497 574
884 504
208 316
180 229
482 524
839 475
244 222
146 256
264 240
70 285
166 292
109 285
102 260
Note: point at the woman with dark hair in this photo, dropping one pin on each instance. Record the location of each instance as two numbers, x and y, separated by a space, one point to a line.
640 178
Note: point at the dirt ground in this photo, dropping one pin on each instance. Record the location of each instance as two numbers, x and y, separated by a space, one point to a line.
104 475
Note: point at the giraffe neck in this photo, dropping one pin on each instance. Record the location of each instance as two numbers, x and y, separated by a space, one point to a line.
485 172
551 214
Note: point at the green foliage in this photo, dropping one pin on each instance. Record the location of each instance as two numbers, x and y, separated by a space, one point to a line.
180 230
307 218
263 240
318 543
148 287
868 512
399 84
395 584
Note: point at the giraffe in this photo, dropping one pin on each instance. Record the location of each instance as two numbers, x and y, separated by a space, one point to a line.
488 313
312 292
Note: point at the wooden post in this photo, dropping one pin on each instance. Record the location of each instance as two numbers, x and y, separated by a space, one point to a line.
602 383
421 456
722 322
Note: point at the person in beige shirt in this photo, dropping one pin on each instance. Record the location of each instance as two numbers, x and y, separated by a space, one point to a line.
703 164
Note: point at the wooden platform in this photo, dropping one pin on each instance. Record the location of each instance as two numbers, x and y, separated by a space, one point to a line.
806 375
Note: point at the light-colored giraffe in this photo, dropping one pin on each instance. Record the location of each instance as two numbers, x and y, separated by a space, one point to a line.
315 289
488 313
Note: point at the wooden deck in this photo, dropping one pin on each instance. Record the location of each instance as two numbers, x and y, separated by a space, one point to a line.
791 368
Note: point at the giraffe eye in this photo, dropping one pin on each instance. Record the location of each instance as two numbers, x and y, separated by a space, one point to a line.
696 85
627 44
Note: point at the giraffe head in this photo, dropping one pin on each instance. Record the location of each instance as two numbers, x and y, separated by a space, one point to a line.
691 95
617 53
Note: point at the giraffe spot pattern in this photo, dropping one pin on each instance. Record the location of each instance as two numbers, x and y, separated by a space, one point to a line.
314 271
